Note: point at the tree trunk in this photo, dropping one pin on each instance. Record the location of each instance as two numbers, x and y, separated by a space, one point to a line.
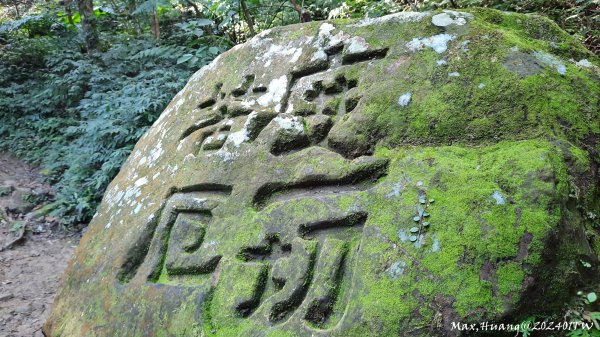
304 15
154 24
88 23
248 17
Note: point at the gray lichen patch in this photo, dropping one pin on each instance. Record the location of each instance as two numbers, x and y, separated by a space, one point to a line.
448 18
275 92
584 63
499 198
526 64
404 99
551 61
396 269
402 17
439 43
522 63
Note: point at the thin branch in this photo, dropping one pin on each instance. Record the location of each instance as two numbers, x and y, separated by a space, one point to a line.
276 12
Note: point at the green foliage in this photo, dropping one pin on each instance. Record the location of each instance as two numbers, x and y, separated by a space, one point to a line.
34 25
585 311
525 326
78 115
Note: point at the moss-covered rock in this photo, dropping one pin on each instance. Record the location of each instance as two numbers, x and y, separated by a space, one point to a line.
378 177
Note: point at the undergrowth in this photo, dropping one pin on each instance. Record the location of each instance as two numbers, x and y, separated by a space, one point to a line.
78 115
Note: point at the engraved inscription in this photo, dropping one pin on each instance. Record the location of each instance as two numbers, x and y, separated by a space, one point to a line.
295 269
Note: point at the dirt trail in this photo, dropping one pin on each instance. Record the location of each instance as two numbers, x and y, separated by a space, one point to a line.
30 269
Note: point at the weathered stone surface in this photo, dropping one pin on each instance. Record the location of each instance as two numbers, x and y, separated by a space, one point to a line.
369 178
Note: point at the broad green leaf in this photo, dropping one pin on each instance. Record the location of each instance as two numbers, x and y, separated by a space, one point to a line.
203 22
184 58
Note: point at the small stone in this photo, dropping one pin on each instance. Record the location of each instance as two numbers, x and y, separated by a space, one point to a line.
19 201
431 201
413 238
414 230
417 218
5 297
24 309
425 224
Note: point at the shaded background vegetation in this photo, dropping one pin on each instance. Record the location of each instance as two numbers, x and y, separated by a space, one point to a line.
82 80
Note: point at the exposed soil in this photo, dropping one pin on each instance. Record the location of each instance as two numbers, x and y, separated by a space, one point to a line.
33 251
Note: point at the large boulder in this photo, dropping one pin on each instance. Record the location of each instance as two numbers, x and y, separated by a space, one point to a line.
376 177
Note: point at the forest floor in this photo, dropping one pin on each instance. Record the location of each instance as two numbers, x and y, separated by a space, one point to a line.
34 251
